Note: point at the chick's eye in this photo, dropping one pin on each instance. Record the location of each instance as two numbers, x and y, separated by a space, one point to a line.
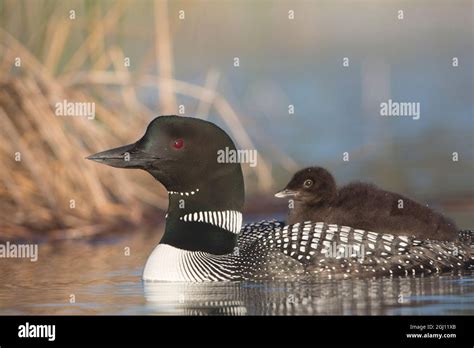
308 183
178 144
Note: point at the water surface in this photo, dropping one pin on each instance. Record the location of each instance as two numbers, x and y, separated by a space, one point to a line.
104 277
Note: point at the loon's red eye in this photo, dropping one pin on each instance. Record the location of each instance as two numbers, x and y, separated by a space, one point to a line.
178 144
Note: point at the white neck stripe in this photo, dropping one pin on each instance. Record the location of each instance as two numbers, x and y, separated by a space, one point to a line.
184 193
230 220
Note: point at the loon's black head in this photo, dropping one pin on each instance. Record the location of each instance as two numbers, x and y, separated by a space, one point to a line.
182 153
311 186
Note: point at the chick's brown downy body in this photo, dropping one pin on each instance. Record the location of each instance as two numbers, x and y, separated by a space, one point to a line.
363 206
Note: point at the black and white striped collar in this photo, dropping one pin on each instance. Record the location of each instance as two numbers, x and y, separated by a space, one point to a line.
230 220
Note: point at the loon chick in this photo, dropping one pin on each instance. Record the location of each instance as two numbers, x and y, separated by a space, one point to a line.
204 241
363 206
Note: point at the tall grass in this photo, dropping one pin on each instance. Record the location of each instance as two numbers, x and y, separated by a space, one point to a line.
51 189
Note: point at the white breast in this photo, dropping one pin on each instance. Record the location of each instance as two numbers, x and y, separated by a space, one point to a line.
167 263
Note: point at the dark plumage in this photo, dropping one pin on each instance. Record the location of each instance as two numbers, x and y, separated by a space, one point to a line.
363 206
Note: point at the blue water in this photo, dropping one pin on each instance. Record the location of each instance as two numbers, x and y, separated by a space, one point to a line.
82 278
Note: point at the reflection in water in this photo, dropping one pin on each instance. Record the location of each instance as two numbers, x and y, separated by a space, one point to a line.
195 299
100 278
434 295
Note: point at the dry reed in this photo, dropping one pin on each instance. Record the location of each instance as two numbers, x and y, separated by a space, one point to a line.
52 190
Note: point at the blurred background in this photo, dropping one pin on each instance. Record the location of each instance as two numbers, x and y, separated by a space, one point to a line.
270 73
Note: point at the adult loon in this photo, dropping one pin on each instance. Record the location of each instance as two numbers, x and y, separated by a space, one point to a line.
360 205
202 241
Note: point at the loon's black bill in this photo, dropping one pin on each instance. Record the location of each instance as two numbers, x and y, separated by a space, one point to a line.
121 157
285 193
